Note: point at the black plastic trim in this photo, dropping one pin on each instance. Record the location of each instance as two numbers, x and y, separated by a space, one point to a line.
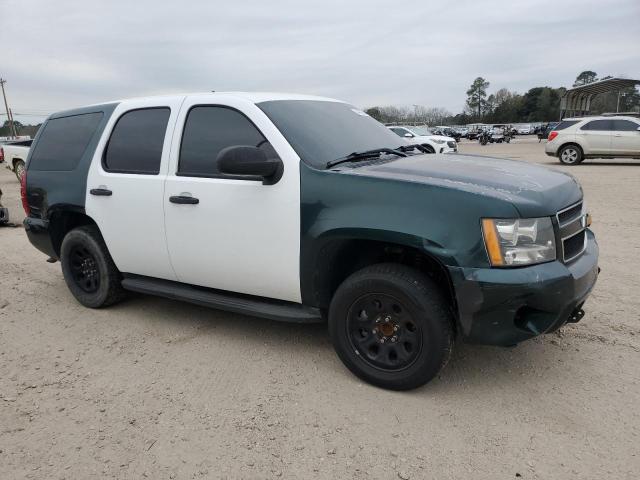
222 300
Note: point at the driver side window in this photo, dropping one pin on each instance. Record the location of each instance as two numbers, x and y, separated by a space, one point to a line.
208 130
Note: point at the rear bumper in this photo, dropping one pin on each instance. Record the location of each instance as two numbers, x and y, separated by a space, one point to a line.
39 235
508 306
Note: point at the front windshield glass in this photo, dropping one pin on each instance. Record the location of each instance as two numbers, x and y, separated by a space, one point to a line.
323 131
422 130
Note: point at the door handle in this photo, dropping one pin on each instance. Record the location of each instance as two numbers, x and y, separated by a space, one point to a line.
101 192
184 200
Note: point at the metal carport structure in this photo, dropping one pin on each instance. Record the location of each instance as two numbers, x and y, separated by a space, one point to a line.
576 102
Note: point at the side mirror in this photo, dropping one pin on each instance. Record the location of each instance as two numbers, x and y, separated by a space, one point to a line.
249 161
408 135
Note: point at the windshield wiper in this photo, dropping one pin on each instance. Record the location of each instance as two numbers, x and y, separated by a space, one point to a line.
355 156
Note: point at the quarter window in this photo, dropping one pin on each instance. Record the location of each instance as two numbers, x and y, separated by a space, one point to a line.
208 130
135 145
599 125
625 126
63 142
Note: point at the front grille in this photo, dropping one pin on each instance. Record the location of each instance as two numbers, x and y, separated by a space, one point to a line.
572 223
451 144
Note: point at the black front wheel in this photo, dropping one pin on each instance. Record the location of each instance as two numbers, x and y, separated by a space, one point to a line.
391 326
88 269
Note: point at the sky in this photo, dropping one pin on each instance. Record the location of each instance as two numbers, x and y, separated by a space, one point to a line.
61 54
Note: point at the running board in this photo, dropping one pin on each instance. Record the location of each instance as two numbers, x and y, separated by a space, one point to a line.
222 300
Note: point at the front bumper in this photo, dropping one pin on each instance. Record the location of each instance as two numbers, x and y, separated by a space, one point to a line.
507 306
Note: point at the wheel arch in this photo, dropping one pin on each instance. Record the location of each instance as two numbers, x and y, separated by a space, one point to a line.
63 220
572 143
339 257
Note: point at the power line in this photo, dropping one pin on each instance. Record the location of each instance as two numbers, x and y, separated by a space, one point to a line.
6 106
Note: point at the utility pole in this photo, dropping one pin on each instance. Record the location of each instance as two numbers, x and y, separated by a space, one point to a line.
6 106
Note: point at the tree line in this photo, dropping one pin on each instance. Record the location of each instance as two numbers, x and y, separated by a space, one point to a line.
538 104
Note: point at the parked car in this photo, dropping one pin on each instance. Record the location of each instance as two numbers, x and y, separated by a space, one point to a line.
424 136
524 130
14 155
302 209
575 139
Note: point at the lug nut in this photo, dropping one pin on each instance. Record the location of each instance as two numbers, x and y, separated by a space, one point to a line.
375 330
395 328
394 338
382 340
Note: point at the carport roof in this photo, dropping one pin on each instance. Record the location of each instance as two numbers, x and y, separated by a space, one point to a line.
603 86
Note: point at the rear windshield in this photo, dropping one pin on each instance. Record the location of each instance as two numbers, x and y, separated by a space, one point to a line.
565 124
63 142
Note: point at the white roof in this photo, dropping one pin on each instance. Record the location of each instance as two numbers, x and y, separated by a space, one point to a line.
255 97
601 117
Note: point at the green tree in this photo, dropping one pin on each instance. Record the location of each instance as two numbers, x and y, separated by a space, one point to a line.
477 96
585 77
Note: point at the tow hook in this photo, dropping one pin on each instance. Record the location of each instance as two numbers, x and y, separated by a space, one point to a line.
576 315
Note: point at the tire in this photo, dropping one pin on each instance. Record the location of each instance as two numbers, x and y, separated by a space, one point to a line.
18 169
391 326
570 155
88 269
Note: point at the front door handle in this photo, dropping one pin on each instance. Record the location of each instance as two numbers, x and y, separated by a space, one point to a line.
101 192
184 200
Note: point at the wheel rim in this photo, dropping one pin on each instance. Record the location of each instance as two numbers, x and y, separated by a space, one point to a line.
19 169
569 155
383 332
84 269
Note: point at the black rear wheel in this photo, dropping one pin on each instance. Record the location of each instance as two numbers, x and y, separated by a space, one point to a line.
88 269
391 326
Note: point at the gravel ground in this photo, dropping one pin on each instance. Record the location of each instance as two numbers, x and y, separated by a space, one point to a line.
160 389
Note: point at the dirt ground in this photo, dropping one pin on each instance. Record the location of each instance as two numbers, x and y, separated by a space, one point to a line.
159 389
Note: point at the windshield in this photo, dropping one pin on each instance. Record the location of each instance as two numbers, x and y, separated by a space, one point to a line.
422 130
322 131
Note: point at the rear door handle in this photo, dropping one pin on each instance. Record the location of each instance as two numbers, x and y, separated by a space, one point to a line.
184 200
101 192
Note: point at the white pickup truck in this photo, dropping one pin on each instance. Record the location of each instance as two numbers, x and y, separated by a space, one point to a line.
14 155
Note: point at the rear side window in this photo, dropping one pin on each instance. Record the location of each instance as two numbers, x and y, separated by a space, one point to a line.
625 126
63 142
135 145
565 124
599 125
209 129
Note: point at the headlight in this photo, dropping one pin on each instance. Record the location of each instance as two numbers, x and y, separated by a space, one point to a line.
522 241
438 141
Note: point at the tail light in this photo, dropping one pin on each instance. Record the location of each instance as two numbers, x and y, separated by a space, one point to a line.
552 135
23 193
1 155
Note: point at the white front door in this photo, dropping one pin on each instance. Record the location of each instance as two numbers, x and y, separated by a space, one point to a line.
240 236
125 185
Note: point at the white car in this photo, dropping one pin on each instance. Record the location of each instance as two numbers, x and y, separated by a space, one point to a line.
423 136
14 154
575 139
524 130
